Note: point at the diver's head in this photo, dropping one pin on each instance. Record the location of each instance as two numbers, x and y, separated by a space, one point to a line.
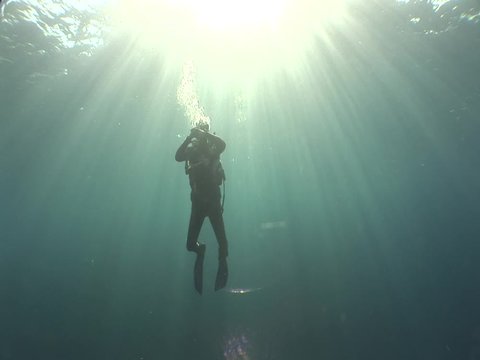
203 125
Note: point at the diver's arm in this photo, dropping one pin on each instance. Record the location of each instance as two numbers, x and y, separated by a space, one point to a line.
217 142
181 155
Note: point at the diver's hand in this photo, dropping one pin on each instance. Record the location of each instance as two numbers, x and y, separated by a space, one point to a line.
193 134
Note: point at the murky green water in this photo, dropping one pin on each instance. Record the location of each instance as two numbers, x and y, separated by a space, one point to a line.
351 197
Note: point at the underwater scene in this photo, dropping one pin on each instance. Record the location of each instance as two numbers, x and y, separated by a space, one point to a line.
349 135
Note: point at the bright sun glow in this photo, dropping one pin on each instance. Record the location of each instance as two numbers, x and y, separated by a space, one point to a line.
234 15
229 40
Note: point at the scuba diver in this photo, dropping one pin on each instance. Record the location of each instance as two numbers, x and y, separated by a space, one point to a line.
201 153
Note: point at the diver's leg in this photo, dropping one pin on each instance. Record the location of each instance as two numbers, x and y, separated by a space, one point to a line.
216 219
194 227
196 220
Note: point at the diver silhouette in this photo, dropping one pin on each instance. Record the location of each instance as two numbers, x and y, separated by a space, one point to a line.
201 152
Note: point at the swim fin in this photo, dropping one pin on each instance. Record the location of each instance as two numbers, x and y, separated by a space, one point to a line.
198 269
222 274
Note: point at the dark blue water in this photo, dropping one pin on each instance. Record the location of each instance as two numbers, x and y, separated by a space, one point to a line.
352 194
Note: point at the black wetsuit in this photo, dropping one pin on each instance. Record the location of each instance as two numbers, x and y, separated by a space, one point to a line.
202 153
